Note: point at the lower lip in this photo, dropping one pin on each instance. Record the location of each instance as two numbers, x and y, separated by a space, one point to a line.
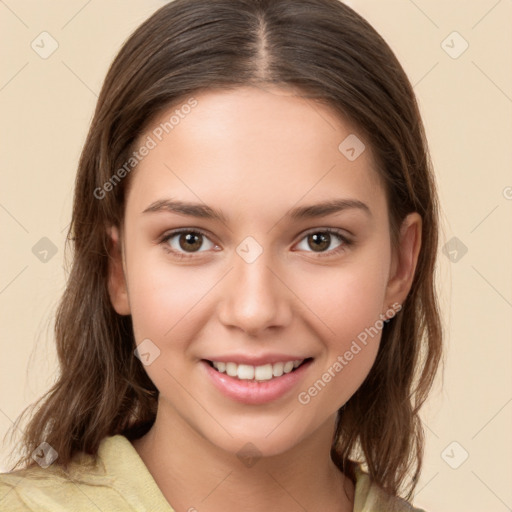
255 392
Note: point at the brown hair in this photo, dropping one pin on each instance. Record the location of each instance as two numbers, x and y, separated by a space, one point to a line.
325 50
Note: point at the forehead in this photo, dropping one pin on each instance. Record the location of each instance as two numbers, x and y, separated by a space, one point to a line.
251 147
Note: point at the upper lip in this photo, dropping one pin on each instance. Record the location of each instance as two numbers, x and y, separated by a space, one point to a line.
256 360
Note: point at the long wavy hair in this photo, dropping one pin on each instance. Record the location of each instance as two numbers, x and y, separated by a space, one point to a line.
330 54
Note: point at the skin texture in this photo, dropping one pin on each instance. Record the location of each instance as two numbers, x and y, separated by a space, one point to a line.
254 154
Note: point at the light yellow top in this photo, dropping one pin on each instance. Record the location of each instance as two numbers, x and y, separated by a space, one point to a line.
122 482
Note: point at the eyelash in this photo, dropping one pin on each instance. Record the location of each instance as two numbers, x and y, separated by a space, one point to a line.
181 255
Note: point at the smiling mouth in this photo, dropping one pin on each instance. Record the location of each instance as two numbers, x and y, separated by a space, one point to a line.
264 372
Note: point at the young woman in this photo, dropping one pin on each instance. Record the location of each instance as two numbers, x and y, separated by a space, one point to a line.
250 320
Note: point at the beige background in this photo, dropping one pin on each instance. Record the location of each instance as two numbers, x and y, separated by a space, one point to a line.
46 107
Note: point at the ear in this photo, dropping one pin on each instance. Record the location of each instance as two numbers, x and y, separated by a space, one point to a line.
404 260
117 288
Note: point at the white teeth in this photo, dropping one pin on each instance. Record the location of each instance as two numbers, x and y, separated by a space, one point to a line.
288 367
263 372
221 367
231 369
277 369
245 372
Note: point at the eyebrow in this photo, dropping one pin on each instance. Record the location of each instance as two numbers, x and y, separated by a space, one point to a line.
301 212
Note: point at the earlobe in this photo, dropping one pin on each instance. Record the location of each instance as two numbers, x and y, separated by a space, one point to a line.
117 288
405 259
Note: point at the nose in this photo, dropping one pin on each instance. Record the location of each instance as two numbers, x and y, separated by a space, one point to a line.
255 297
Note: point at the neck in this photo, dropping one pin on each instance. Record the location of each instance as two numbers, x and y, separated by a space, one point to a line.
194 474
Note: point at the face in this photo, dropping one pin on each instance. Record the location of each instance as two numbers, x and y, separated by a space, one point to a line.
249 237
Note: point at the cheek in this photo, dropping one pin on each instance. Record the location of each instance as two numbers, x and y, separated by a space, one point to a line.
164 297
348 299
347 303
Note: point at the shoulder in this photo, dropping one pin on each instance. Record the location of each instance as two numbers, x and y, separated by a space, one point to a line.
114 479
51 488
35 488
369 497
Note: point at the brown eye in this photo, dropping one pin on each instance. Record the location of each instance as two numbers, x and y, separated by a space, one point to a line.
321 241
188 241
